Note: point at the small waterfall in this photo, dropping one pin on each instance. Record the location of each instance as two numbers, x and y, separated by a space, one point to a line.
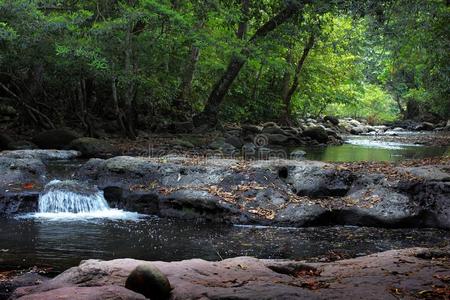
71 196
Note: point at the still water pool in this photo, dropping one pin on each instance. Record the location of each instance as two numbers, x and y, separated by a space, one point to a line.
361 148
62 244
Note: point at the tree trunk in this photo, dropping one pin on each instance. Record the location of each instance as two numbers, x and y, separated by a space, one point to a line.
209 115
130 92
287 96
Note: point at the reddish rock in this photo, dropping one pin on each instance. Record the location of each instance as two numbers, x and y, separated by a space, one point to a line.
386 275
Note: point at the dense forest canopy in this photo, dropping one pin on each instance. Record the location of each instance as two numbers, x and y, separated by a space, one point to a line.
148 63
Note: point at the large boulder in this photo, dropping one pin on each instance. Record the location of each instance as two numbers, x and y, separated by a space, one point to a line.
19 171
92 147
316 133
55 138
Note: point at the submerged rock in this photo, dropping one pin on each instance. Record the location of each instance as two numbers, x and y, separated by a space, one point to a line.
148 280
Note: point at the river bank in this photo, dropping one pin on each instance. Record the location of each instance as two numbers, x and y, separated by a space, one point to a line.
408 273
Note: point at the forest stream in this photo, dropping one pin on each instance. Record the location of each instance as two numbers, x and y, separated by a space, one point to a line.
59 241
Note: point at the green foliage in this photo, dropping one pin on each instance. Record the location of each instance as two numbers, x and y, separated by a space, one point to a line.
363 64
373 104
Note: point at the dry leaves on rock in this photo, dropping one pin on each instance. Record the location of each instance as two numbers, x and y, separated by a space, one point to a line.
262 212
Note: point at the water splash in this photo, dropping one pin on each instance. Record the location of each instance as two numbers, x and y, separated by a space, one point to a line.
74 200
378 144
70 196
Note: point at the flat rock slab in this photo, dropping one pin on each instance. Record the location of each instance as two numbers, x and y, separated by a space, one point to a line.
44 155
388 275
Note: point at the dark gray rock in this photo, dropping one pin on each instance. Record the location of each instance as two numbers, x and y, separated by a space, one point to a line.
316 133
92 147
22 145
234 141
5 140
333 120
55 139
44 155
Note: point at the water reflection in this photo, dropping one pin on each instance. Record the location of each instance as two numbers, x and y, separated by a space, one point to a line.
364 149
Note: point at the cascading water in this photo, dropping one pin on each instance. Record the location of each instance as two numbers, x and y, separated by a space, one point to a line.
71 199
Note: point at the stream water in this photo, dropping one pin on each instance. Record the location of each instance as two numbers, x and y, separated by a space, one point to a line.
62 243
365 148
66 230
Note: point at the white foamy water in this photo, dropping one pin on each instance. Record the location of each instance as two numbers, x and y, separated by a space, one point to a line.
73 200
379 144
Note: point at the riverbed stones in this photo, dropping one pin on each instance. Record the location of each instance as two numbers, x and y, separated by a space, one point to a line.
148 280
55 138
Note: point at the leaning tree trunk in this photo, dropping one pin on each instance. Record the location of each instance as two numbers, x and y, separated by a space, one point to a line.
287 96
209 115
130 92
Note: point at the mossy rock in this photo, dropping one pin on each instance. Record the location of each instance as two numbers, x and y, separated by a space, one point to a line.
149 281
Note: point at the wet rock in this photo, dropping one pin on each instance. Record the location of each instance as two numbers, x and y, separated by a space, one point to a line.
217 189
55 139
315 179
8 286
317 133
92 147
44 155
19 171
297 154
148 280
195 204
